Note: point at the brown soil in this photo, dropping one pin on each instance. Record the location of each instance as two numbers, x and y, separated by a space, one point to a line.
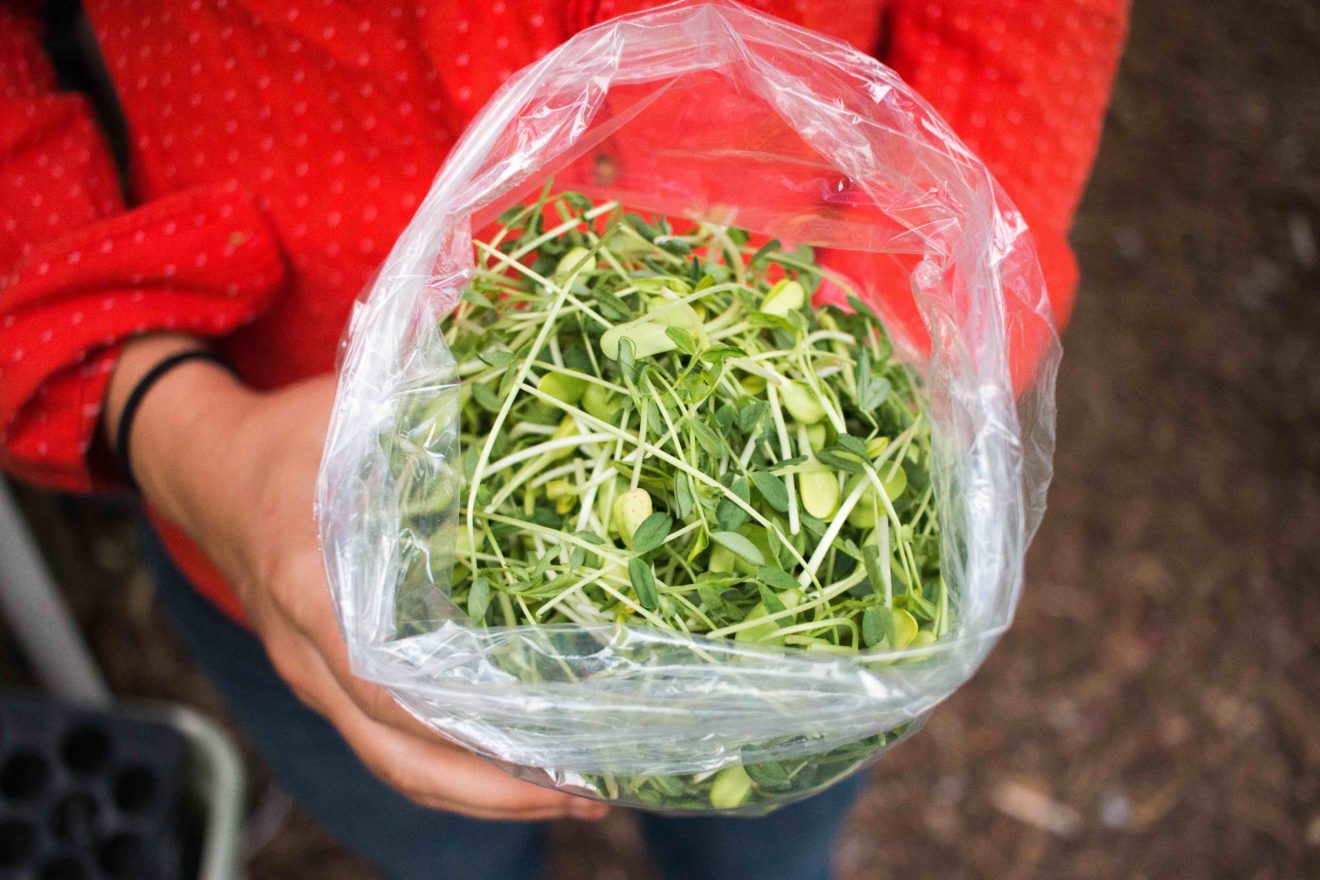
1155 711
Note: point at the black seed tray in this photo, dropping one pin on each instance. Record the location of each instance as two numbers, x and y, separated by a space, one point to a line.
87 795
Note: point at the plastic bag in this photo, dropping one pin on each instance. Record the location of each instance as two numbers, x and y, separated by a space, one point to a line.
711 112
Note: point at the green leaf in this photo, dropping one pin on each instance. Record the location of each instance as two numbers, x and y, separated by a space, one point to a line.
545 516
542 566
872 629
612 307
506 384
874 395
769 774
706 436
849 443
772 603
485 398
815 527
739 546
497 359
577 201
742 489
683 339
694 386
653 415
643 581
576 358
774 322
832 457
872 390
627 358
729 516
784 338
638 222
772 489
475 298
479 599
863 309
651 533
698 545
777 578
684 501
589 537
718 354
670 785
763 251
751 414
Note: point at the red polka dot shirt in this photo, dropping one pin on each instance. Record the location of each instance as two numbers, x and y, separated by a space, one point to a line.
277 149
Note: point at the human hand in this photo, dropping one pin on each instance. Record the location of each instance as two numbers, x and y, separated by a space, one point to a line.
236 469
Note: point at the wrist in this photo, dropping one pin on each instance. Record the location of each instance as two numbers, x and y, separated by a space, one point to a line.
138 357
178 444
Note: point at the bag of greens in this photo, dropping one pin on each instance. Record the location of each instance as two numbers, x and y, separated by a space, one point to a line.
688 444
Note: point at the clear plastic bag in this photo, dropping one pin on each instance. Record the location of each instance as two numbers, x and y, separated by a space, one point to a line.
717 113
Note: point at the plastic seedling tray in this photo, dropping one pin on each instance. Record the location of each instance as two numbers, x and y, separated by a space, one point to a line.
88 795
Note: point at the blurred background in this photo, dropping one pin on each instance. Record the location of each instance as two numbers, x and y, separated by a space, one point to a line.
1155 711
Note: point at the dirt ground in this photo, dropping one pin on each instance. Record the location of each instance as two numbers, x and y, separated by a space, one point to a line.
1155 711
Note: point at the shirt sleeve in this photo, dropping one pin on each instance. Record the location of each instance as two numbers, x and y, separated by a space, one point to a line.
79 273
1025 83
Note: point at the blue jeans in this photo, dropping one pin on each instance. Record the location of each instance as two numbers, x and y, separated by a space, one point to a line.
408 842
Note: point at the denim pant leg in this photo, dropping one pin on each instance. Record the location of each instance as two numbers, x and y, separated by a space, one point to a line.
793 843
317 768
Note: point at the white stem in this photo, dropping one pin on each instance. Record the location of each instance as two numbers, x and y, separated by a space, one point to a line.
786 452
541 448
885 573
827 539
555 473
532 428
603 208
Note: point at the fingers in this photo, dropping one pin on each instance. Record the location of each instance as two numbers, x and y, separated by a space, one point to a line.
298 625
312 615
432 773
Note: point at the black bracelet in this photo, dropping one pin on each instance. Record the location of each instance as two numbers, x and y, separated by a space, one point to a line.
136 397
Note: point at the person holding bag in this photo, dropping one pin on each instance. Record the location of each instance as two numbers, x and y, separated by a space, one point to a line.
180 343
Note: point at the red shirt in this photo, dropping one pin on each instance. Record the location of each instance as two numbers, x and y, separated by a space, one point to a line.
277 149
